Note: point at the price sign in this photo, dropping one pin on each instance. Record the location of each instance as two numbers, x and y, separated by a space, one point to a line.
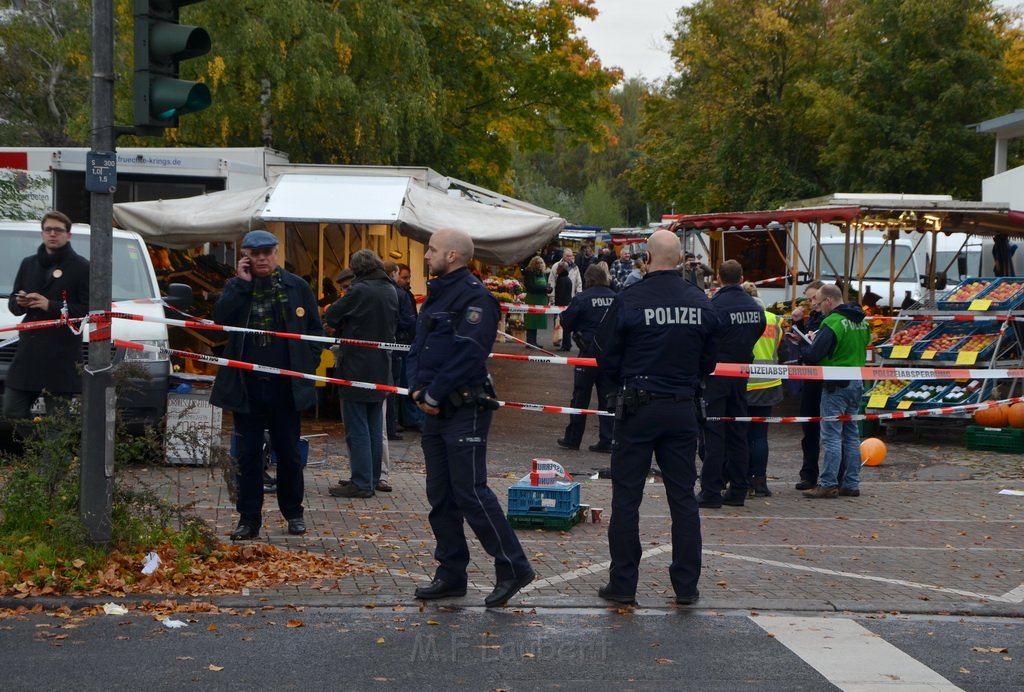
928 355
877 401
980 304
966 357
904 405
901 351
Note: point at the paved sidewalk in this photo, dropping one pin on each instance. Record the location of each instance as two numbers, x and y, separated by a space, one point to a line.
904 545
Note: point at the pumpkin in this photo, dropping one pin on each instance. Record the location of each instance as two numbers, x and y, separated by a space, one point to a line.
1015 417
994 417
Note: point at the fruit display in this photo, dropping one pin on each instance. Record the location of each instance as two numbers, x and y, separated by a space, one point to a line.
944 342
978 342
910 335
888 387
922 390
960 392
967 291
1004 291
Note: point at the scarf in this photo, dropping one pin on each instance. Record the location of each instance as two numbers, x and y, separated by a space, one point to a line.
269 305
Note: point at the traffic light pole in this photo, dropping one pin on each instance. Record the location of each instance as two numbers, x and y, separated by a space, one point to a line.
98 397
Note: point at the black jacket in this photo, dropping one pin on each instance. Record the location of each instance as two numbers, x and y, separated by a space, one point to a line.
585 313
304 356
369 311
48 358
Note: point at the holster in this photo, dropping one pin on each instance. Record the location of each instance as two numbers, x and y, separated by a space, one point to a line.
480 395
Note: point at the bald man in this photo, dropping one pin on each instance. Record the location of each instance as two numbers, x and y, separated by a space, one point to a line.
656 343
448 380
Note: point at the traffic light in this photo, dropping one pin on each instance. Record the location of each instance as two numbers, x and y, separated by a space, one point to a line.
161 43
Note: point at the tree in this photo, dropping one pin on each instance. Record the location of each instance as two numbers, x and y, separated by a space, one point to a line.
44 70
911 77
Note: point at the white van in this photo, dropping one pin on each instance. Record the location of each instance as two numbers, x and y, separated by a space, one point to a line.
144 399
875 256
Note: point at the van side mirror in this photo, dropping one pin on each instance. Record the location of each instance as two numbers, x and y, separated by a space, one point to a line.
940 280
179 296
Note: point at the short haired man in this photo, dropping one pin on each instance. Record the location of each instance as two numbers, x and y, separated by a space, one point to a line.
449 381
808 321
47 359
264 296
656 342
695 271
841 341
368 310
582 318
620 269
724 476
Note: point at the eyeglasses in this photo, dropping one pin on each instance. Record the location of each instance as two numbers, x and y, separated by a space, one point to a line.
55 229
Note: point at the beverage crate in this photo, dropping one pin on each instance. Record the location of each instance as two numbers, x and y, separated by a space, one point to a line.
557 500
995 439
545 521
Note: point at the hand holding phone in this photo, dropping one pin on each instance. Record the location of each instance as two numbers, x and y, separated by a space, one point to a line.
245 269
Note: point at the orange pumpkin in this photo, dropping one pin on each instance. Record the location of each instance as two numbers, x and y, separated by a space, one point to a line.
994 417
1016 416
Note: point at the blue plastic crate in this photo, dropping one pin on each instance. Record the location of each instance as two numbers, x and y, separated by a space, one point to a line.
944 302
561 499
948 329
1011 302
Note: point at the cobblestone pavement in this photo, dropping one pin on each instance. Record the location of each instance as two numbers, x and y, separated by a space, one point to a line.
929 533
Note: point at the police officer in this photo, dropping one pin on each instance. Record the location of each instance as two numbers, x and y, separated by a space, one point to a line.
582 318
448 380
656 342
723 476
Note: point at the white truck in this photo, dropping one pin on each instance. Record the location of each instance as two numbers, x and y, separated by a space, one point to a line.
134 290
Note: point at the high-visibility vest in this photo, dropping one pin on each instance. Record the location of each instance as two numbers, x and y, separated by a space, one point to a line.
766 350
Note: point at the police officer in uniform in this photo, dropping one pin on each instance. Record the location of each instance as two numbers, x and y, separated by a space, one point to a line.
656 342
726 455
582 318
448 380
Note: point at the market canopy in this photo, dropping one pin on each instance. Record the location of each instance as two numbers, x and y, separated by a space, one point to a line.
504 230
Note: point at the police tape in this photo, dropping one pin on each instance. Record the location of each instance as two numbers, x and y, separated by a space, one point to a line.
521 309
255 367
894 415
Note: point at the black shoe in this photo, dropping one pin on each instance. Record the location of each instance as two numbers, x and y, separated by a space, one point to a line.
600 448
507 588
688 600
849 492
439 588
349 490
565 444
245 531
733 500
297 526
805 484
607 594
709 501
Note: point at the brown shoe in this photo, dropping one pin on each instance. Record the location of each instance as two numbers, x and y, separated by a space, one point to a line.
383 487
820 492
849 492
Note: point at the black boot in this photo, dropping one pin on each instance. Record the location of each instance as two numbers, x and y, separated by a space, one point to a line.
759 487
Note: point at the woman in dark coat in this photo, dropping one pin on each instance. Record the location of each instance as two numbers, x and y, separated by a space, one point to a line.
535 283
563 296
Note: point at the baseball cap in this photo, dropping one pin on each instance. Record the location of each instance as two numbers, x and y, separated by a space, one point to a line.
254 240
345 275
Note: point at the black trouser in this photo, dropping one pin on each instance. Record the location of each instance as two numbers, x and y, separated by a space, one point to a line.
666 429
391 410
810 443
726 453
270 408
584 381
455 450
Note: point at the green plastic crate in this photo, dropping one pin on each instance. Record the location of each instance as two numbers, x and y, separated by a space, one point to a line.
545 522
995 439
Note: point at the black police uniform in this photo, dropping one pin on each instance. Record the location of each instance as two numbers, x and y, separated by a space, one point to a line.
726 455
454 335
582 318
657 341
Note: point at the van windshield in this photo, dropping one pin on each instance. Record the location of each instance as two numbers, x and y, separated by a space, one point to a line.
131 272
879 269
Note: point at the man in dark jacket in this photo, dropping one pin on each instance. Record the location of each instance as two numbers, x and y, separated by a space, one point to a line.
724 474
405 330
264 296
368 310
47 359
582 318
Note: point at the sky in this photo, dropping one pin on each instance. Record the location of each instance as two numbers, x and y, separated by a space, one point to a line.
631 34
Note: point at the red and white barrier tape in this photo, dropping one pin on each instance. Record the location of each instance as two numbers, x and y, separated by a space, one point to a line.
523 309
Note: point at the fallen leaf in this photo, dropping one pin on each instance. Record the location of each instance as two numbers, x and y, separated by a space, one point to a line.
489 646
183 658
991 649
78 563
212 627
529 655
380 640
292 624
663 660
964 670
215 669
433 622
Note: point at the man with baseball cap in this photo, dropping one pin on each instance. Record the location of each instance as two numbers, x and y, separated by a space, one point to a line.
264 296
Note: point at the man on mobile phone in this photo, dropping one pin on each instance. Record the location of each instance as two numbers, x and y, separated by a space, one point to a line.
266 297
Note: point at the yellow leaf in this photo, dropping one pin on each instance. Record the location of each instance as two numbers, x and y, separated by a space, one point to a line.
964 670
292 624
78 563
489 646
433 622
212 627
215 669
529 655
380 640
